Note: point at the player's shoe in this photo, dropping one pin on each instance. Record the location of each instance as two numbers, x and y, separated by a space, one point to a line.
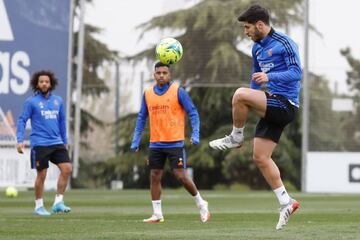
41 211
154 219
204 212
227 142
60 207
285 212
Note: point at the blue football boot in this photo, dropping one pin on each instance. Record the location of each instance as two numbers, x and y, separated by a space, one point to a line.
60 207
41 211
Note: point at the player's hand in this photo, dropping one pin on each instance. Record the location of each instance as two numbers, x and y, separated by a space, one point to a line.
20 147
134 149
194 141
260 77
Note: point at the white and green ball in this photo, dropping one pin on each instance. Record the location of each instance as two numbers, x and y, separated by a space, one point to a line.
11 192
169 51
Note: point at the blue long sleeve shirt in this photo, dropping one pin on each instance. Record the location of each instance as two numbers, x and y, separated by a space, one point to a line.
277 55
185 102
48 121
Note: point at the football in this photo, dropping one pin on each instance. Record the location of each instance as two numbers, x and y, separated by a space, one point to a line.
11 192
169 51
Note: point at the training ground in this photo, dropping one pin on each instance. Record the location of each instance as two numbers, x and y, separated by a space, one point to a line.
235 215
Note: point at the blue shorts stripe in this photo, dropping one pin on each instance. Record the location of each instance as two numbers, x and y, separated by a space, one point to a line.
184 157
276 103
33 158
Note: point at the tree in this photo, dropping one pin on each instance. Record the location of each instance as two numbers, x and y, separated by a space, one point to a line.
351 122
211 35
96 55
324 122
353 76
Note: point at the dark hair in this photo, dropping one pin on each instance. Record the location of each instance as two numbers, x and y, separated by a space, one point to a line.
35 79
160 64
255 13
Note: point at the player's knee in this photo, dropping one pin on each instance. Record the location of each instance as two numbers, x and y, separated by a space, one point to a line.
41 176
65 168
68 169
155 175
260 159
181 178
241 94
41 173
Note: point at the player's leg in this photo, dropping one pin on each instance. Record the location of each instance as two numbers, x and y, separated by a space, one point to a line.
189 185
268 131
39 161
155 183
155 189
39 183
60 157
59 205
244 100
39 190
156 164
65 172
177 157
263 149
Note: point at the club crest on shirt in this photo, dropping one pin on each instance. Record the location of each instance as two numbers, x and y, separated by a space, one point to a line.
41 104
56 102
270 53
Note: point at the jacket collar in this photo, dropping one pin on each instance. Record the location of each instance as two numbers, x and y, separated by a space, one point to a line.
266 39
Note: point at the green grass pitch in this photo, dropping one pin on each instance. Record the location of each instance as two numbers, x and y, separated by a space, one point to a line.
235 215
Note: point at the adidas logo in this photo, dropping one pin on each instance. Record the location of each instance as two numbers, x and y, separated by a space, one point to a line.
6 33
15 76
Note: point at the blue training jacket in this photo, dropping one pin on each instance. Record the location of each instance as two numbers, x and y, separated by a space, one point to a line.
185 102
48 121
278 56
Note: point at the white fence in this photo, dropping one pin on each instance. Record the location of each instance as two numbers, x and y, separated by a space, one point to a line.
333 172
15 170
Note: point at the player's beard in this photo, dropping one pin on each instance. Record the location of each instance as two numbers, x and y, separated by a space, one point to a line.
44 91
257 35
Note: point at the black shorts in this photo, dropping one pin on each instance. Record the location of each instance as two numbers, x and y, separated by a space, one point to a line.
158 156
41 155
279 112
